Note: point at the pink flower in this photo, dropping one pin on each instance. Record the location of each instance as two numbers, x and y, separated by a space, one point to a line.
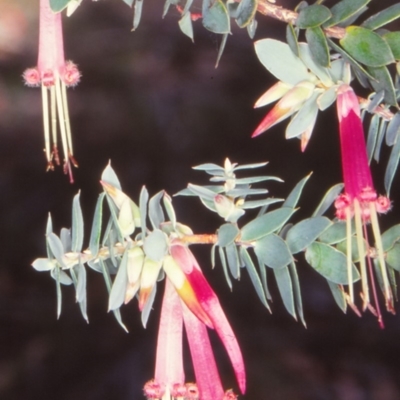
189 301
54 75
360 202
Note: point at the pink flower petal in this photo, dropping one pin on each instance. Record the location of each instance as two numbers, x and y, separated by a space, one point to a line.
205 368
169 365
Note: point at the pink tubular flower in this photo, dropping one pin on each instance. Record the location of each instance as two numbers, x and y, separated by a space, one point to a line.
360 201
190 301
54 75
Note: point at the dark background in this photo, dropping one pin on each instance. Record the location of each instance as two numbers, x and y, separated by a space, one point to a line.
153 103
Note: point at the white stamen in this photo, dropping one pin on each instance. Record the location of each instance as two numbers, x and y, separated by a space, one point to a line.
53 116
61 116
379 250
349 258
46 122
361 253
67 121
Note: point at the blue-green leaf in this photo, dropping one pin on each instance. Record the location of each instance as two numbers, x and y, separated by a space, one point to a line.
344 10
285 287
328 199
318 45
155 245
294 195
305 232
273 251
156 214
338 295
118 290
59 5
330 263
297 292
233 260
390 237
186 26
265 224
392 166
313 16
77 225
251 269
96 226
109 176
215 16
382 17
227 233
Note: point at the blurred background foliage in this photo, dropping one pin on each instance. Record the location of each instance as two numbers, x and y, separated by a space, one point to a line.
153 103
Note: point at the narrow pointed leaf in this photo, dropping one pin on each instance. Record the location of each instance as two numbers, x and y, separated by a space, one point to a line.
156 214
144 197
393 130
246 12
108 282
43 264
297 292
390 237
186 26
393 257
382 17
56 248
137 13
328 199
265 224
59 5
77 225
379 140
148 306
392 166
224 266
285 287
393 40
344 10
96 226
294 195
233 260
338 295
221 48
118 290
251 269
372 135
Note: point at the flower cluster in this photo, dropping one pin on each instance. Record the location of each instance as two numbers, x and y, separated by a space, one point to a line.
53 74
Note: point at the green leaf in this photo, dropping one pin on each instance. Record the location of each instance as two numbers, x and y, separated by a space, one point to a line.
143 200
58 5
227 234
265 224
294 195
297 292
382 17
232 257
186 26
393 257
393 40
56 248
328 199
355 255
109 176
393 130
335 233
383 81
338 295
215 16
392 166
255 279
305 232
285 287
155 245
280 61
96 226
224 266
273 251
324 74
291 38
107 280
156 214
118 290
128 2
330 263
148 306
304 119
372 135
379 140
367 47
137 13
260 203
313 16
77 225
358 68
318 45
245 12
344 10
390 237
327 98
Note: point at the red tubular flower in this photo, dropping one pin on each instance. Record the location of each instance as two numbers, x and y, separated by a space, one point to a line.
54 74
189 301
360 201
